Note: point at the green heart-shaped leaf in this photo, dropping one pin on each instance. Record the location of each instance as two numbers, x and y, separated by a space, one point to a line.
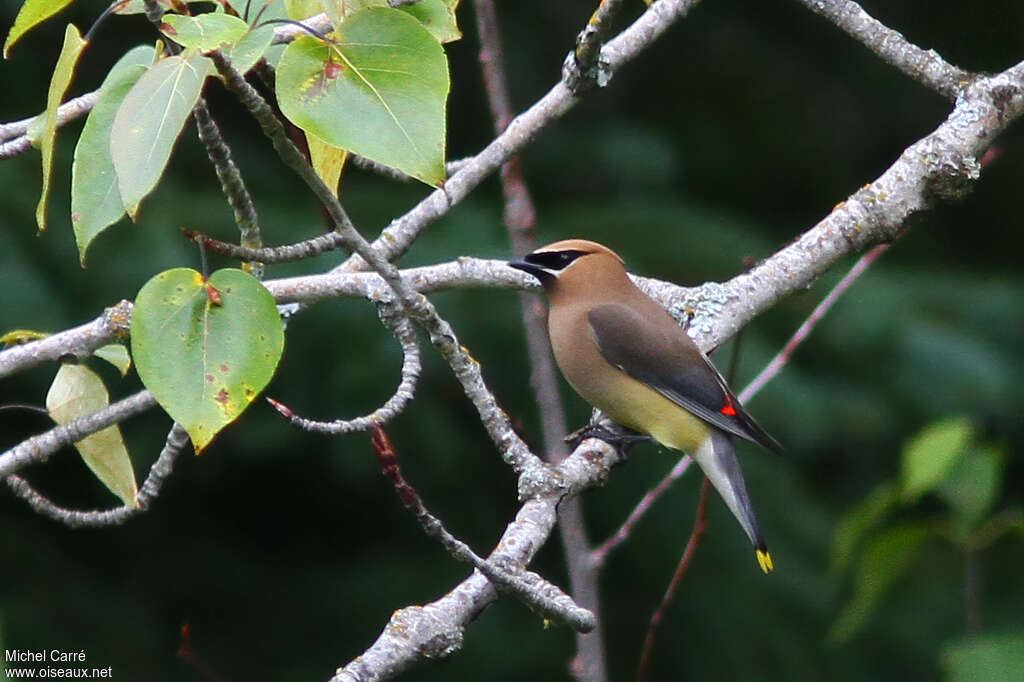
205 348
379 91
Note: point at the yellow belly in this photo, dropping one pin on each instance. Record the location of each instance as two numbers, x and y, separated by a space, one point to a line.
641 408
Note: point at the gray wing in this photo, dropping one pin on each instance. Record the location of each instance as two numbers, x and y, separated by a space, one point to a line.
660 355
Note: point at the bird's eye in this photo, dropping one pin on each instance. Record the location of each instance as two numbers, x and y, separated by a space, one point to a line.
554 260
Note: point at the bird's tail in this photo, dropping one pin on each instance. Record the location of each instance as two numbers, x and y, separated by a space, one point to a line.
717 458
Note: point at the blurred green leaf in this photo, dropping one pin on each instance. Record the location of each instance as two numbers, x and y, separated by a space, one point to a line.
973 486
302 9
379 91
932 453
438 17
205 32
205 348
251 48
995 657
77 391
62 75
117 355
31 14
858 521
149 122
95 198
885 558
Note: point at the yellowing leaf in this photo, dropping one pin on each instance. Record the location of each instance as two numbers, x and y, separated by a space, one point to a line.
62 74
328 161
16 336
77 391
31 14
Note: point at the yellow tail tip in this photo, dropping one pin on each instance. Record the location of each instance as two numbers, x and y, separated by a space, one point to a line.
764 560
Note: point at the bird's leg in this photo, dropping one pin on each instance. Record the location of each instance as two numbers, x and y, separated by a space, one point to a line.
616 435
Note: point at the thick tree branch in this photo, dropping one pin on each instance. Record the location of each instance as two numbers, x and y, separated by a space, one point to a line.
80 341
941 166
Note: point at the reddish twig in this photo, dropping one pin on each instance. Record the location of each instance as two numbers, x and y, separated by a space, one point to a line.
599 555
699 526
805 329
188 655
536 592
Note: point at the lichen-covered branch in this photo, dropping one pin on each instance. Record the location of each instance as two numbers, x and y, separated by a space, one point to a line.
925 66
80 341
941 166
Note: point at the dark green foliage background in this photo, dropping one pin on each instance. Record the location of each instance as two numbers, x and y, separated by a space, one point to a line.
286 552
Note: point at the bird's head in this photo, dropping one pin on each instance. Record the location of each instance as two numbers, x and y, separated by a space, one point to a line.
572 265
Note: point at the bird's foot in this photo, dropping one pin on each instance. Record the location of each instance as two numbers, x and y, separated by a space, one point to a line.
617 436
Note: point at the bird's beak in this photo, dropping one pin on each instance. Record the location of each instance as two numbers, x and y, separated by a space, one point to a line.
531 269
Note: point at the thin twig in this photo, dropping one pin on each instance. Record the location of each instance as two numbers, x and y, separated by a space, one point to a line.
584 67
402 328
925 66
600 554
807 326
532 589
699 526
308 248
39 448
177 438
231 182
411 302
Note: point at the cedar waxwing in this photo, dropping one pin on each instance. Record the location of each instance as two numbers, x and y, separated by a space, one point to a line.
626 356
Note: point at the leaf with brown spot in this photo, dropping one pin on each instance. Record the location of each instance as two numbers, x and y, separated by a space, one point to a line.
205 361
